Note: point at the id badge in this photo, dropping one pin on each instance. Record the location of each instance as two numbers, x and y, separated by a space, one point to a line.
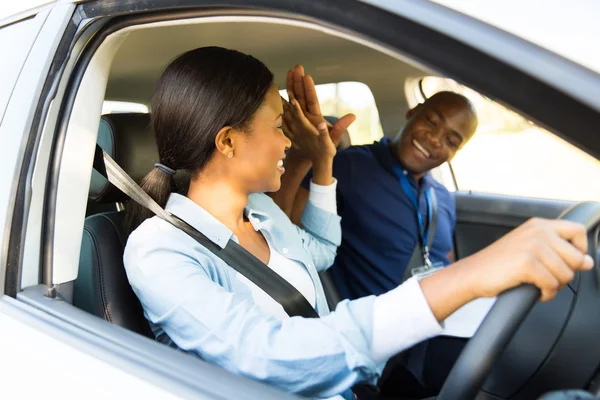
426 270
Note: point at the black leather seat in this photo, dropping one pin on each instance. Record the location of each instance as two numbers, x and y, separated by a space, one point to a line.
101 287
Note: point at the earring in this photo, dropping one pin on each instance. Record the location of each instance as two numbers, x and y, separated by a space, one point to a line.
230 155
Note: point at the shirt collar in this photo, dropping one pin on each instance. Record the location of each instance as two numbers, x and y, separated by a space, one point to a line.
383 153
204 222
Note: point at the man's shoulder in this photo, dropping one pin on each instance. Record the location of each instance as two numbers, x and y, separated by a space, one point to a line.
362 156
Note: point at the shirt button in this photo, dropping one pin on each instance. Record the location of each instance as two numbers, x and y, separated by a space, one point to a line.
284 250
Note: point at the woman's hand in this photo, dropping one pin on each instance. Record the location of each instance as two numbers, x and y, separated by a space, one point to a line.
545 253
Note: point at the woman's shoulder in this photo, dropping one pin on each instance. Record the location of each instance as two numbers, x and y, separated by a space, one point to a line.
156 239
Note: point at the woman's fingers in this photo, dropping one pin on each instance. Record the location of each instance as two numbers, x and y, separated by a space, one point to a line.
571 255
555 264
322 129
573 232
552 254
541 277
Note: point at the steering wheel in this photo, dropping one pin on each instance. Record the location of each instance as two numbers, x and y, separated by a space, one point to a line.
476 361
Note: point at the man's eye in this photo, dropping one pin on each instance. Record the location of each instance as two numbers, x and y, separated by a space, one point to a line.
431 121
452 143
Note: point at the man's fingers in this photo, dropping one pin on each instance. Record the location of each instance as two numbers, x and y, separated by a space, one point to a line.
312 100
290 85
344 122
287 131
299 86
340 127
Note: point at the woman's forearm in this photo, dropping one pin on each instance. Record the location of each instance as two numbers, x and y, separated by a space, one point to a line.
450 288
323 171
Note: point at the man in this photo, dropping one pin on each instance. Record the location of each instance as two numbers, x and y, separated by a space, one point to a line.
385 196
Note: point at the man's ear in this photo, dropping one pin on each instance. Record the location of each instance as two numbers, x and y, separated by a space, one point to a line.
412 111
225 140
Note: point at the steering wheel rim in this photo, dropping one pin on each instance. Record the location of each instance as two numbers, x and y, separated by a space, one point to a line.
477 359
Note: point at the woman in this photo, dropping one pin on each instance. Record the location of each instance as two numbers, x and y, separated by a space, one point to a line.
217 114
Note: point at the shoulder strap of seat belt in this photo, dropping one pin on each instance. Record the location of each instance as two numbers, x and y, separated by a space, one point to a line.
292 301
416 259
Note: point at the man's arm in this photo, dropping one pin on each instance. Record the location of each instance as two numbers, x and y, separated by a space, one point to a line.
286 197
298 206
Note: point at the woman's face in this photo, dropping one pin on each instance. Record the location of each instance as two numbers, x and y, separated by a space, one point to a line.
259 156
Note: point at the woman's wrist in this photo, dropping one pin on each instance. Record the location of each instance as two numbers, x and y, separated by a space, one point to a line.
323 171
450 288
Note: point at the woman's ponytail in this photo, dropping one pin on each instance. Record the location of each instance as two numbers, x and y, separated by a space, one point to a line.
159 185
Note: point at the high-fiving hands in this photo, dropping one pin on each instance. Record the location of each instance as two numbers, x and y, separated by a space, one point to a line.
312 136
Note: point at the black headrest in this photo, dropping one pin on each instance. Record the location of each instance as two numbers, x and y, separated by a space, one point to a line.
129 140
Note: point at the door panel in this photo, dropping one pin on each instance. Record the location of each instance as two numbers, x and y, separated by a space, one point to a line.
483 218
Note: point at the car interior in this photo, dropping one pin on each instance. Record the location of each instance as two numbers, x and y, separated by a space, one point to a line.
125 67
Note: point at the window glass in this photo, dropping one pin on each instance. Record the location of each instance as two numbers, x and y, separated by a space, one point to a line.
116 107
339 99
510 155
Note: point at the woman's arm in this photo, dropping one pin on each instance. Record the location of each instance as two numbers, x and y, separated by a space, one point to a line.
323 357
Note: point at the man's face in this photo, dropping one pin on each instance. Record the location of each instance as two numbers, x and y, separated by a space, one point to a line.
434 132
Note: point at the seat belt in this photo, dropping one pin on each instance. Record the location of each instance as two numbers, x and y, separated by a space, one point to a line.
416 259
292 301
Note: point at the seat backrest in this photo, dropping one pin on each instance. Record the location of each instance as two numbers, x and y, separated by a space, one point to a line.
102 287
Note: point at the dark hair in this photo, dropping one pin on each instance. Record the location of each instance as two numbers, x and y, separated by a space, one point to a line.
199 93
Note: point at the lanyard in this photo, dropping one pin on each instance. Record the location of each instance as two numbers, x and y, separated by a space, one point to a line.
423 230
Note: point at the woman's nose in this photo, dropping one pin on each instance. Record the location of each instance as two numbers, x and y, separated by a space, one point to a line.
288 143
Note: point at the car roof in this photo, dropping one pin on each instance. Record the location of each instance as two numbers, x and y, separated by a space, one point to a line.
568 29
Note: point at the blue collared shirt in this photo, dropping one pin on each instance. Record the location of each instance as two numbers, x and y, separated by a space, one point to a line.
379 223
195 302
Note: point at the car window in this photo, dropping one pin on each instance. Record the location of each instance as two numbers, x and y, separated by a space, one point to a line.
510 155
117 107
339 99
16 40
